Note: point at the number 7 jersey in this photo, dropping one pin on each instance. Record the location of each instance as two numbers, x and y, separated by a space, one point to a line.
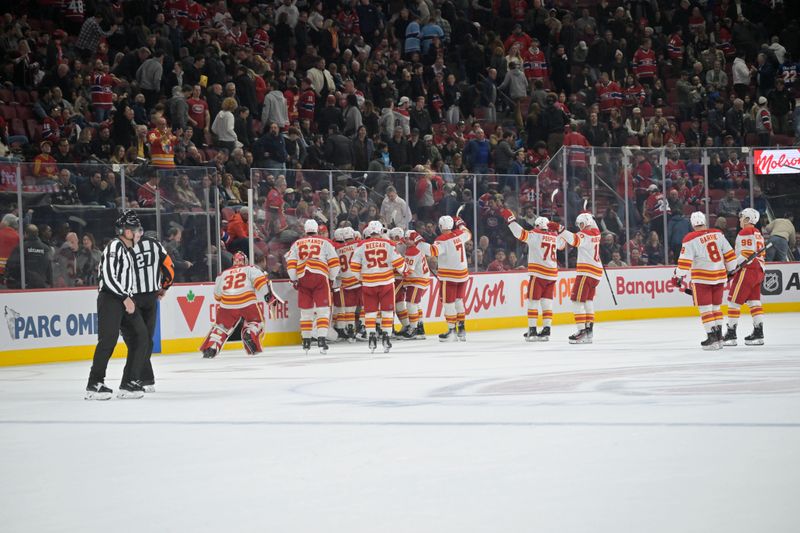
707 255
449 250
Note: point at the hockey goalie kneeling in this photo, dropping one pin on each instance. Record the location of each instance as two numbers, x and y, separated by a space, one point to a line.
238 291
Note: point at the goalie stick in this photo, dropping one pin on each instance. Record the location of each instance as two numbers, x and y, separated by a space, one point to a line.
688 290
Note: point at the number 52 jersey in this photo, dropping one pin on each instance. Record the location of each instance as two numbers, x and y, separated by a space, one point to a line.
707 256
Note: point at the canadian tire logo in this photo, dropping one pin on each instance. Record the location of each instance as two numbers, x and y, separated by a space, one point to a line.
190 307
773 282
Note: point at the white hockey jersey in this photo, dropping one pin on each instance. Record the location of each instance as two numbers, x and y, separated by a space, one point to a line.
417 273
542 246
449 250
312 254
375 261
706 256
349 279
239 287
587 241
748 242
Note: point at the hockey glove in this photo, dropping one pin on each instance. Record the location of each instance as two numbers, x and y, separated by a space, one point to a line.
459 223
508 215
415 237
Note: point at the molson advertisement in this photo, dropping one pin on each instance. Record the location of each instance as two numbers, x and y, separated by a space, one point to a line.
786 161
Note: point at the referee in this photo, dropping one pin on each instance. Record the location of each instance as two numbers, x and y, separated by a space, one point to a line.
117 311
154 273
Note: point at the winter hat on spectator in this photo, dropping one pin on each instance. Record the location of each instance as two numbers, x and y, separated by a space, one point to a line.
762 100
404 100
582 45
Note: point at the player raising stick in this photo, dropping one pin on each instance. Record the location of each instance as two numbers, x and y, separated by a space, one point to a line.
375 261
416 283
313 265
543 270
746 284
705 258
238 292
350 290
448 248
589 271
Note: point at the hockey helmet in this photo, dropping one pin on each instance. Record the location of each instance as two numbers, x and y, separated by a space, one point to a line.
239 259
446 223
750 215
585 219
541 223
698 218
128 220
373 228
347 233
311 226
338 235
396 234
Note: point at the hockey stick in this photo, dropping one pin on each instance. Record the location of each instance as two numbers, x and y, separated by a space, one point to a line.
610 287
460 209
274 295
749 260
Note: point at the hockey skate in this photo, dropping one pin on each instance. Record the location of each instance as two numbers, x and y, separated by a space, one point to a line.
131 390
712 341
373 342
450 336
209 353
590 331
249 344
322 344
461 332
386 341
351 333
580 337
544 335
405 333
718 333
531 335
757 337
306 345
149 387
341 335
98 391
362 334
419 334
730 337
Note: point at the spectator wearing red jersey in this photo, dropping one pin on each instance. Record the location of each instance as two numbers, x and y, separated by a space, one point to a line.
44 164
199 118
644 63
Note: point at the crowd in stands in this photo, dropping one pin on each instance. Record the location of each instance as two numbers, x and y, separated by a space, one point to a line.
313 105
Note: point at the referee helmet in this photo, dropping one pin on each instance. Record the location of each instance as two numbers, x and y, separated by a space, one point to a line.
128 220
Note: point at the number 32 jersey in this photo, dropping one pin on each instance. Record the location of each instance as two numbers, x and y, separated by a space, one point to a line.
239 287
707 255
376 261
312 254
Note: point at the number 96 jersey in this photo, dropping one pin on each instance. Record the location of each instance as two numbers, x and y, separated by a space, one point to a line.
239 287
708 255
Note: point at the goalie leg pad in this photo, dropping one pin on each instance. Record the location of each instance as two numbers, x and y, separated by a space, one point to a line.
251 337
216 338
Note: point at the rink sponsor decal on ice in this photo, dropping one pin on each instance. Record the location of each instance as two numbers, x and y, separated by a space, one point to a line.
776 161
773 282
191 305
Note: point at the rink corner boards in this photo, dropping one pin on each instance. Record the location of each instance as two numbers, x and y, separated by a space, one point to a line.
59 353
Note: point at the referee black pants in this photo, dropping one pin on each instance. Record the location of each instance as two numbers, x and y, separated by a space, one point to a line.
147 306
111 319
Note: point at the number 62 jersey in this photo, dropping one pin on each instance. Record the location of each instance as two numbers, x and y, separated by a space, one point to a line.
707 256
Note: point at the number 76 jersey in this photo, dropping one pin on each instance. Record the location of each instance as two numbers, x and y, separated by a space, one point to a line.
707 255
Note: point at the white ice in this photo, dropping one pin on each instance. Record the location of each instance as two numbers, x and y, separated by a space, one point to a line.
639 432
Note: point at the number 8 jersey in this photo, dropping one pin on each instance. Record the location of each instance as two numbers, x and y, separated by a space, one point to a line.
707 255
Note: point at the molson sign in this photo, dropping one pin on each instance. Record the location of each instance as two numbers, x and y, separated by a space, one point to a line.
776 161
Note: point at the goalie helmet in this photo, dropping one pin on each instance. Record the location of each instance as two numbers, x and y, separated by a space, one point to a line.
373 228
698 218
239 259
750 215
311 226
396 234
446 223
541 223
585 219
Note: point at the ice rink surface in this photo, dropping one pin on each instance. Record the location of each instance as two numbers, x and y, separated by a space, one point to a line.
639 432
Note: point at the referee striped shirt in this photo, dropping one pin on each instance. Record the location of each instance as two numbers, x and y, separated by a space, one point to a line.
116 272
152 265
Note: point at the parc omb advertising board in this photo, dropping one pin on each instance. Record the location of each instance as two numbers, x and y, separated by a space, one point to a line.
61 325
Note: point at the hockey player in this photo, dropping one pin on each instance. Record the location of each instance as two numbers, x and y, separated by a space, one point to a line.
448 248
396 235
416 283
705 258
543 269
238 292
338 305
313 266
375 261
746 284
349 293
589 271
